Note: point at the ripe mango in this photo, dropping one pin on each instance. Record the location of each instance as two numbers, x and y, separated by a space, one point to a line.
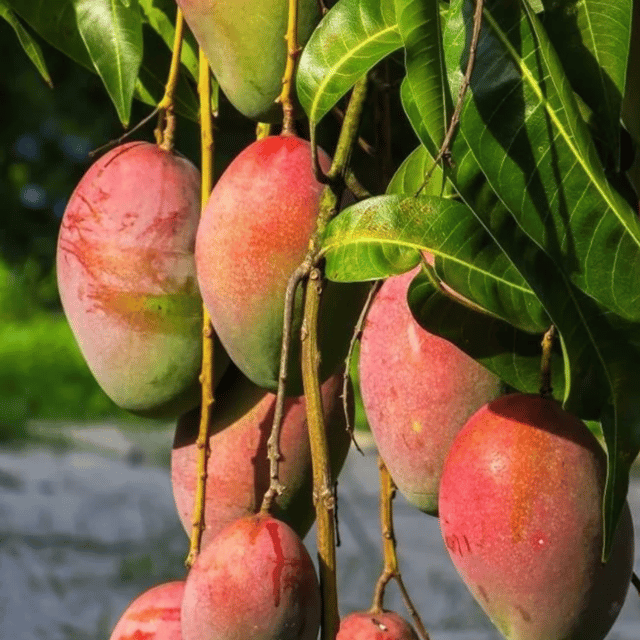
238 468
255 580
127 281
245 44
521 517
366 625
153 615
418 390
254 233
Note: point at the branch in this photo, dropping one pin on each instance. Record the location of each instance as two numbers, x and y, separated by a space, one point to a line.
323 488
206 375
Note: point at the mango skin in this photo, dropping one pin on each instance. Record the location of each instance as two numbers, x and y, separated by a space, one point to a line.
238 468
153 615
254 233
365 625
246 48
520 514
418 391
254 580
127 280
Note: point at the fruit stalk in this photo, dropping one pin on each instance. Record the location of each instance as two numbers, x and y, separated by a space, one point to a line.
166 119
287 80
323 493
391 570
206 375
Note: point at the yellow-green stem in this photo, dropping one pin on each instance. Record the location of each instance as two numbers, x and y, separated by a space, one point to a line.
166 120
287 80
206 375
545 363
323 488
263 129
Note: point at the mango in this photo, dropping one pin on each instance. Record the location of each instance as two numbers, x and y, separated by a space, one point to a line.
245 44
127 280
153 615
254 233
521 516
254 580
367 625
418 391
238 468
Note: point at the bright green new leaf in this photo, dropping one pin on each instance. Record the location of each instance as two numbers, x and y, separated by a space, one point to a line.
30 46
112 34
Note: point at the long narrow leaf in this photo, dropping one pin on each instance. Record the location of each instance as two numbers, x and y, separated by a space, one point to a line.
351 38
419 25
592 41
30 46
523 126
112 34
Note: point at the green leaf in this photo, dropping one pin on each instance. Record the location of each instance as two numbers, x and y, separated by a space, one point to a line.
30 46
383 236
161 16
593 46
351 38
419 25
511 354
524 129
55 22
520 127
112 34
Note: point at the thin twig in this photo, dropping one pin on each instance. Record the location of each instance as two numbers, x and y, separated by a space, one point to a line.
124 136
357 334
206 374
545 362
391 569
445 151
635 581
273 444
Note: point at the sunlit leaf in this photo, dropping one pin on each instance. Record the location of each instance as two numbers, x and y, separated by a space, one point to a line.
383 236
592 41
112 34
30 46
351 38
